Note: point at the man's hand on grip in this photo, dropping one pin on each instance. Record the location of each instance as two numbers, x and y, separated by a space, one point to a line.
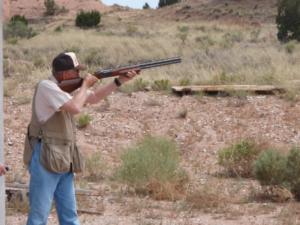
89 80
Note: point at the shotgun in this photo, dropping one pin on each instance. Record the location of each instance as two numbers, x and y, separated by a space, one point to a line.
73 84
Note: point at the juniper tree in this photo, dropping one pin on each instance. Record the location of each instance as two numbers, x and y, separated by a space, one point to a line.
288 20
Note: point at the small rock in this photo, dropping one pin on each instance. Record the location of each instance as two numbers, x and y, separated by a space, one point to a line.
204 150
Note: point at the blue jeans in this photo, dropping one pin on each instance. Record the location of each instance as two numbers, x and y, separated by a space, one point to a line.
43 187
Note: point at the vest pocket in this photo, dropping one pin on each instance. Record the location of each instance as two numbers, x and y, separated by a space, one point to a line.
78 160
55 157
27 151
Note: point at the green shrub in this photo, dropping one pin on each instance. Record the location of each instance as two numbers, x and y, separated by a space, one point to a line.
186 7
276 168
17 29
97 167
293 171
205 40
183 113
222 78
163 3
20 18
12 41
287 21
63 10
84 119
93 57
140 84
72 49
58 29
185 82
161 85
182 36
51 7
146 6
238 158
236 36
39 62
131 30
290 46
270 167
183 29
254 35
88 19
151 166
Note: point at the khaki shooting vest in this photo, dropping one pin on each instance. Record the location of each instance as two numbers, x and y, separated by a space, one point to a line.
58 142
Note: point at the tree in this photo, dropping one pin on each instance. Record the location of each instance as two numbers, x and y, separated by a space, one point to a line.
146 6
20 18
51 7
288 20
88 19
163 3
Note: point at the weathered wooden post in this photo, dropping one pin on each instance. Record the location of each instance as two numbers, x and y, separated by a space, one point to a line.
2 178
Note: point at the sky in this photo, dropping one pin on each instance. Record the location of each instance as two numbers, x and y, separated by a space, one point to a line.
135 4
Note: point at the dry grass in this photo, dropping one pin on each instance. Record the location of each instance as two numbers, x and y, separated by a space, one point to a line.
243 62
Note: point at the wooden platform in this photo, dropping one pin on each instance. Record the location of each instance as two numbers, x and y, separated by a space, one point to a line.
226 87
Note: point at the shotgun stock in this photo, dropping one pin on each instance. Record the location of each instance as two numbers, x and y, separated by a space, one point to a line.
73 84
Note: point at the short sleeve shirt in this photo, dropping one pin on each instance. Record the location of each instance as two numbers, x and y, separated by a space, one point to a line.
49 98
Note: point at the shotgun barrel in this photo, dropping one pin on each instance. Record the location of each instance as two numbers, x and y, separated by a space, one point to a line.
73 84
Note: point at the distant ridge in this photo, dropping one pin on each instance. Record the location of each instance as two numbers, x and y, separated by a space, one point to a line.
36 8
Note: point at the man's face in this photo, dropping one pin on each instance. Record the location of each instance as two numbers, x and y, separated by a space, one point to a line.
71 74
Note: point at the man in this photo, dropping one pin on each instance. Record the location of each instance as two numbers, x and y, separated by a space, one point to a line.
2 170
51 152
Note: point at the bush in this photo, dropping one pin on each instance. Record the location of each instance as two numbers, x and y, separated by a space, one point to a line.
93 57
51 7
234 37
270 167
97 167
58 29
17 17
39 62
12 41
254 35
84 119
185 82
88 19
151 166
238 158
140 84
290 46
163 3
72 49
161 85
275 168
287 20
183 29
183 113
293 172
205 40
17 29
131 30
182 36
146 6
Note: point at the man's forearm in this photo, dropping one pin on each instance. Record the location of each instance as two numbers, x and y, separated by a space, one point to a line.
101 93
74 105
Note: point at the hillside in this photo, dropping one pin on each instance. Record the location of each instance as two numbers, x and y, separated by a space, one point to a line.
36 8
235 11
